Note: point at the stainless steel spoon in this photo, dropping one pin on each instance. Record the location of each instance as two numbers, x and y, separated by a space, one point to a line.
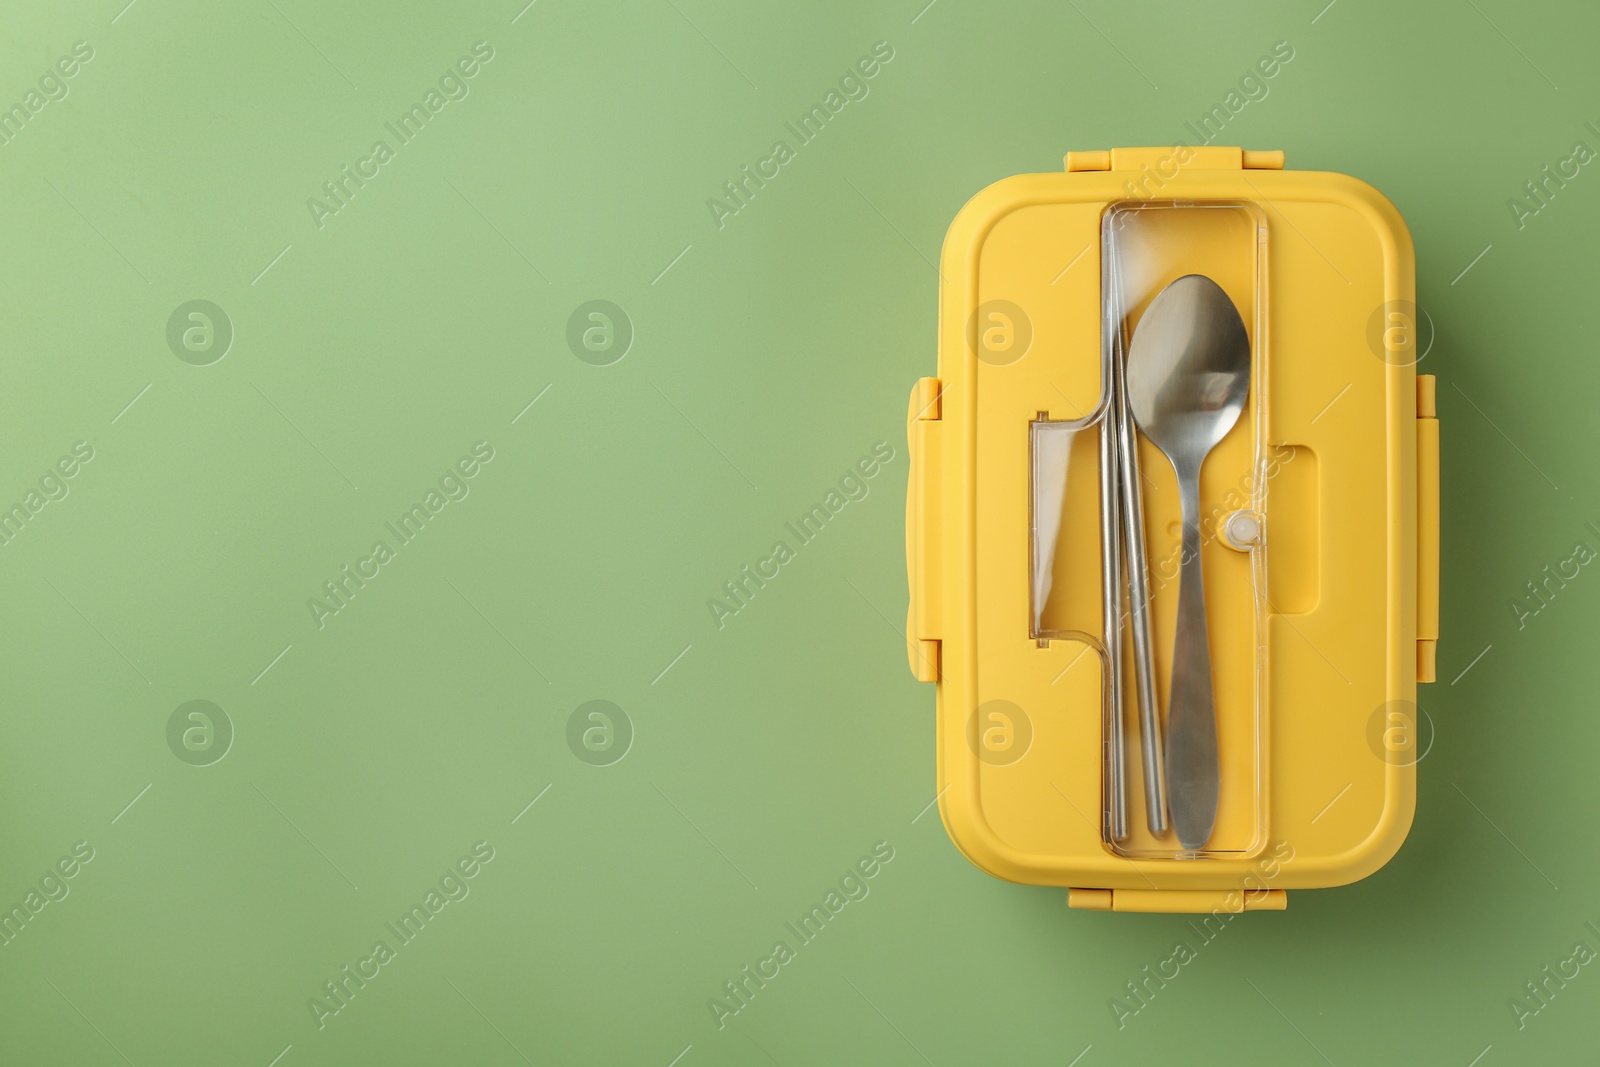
1188 378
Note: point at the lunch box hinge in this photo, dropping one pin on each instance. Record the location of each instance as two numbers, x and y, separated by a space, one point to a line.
1166 161
922 534
1184 901
1427 528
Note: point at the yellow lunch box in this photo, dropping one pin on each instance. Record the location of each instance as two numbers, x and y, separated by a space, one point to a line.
1068 747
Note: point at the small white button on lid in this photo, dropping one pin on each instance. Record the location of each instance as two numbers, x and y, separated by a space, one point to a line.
1242 530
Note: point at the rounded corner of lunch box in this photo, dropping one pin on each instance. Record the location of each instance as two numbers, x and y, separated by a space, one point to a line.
970 833
979 215
1370 855
1370 203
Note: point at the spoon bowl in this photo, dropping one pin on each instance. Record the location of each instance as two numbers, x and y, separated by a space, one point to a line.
1189 368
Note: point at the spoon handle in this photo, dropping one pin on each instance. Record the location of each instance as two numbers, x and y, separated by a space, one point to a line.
1192 783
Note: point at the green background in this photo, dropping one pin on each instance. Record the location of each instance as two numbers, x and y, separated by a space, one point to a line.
768 356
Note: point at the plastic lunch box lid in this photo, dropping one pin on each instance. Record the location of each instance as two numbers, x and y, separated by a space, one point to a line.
1340 269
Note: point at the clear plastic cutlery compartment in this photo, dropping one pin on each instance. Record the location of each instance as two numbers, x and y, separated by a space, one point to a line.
1079 527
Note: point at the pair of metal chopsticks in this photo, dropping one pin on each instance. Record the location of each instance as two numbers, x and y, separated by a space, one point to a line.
1125 572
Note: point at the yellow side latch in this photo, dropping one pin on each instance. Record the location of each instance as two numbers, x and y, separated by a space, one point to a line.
923 495
1427 529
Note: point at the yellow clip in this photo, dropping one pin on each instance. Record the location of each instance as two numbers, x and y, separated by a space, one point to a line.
1427 529
1206 157
1185 901
922 513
